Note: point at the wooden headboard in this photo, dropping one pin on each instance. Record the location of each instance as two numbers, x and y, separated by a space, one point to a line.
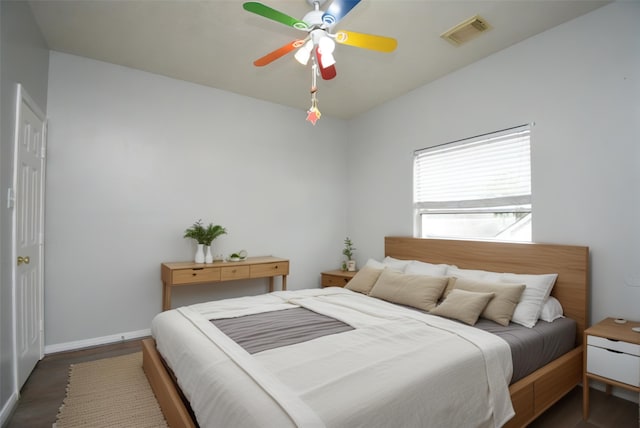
571 263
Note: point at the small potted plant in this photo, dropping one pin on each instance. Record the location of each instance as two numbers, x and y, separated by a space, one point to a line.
348 251
204 236
237 257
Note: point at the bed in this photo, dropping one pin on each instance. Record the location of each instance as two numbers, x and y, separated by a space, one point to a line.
531 395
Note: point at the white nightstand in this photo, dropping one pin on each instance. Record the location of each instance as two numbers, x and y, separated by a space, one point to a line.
612 356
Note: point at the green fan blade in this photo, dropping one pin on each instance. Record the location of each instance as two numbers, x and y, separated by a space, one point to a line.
270 13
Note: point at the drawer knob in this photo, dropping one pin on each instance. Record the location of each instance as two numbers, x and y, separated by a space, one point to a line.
194 274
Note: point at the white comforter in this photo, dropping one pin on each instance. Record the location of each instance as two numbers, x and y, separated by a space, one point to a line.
398 367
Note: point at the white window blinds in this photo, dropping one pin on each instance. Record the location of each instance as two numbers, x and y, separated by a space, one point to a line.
492 170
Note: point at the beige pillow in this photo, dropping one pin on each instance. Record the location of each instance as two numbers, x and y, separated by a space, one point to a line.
364 280
418 291
465 306
506 297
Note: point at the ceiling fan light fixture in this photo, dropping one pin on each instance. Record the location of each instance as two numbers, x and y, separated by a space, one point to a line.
326 45
304 52
327 60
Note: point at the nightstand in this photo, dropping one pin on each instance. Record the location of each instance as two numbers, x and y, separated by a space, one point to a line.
336 278
612 356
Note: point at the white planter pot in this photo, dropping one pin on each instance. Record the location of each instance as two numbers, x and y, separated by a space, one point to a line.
200 254
208 257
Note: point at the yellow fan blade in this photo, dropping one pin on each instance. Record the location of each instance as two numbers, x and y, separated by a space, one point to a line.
367 41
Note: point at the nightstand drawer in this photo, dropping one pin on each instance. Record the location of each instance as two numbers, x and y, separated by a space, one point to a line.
234 272
614 365
193 276
616 345
334 281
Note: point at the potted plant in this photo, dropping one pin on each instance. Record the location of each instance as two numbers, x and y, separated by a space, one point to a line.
212 232
204 236
348 251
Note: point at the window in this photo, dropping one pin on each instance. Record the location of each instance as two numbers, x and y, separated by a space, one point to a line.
477 188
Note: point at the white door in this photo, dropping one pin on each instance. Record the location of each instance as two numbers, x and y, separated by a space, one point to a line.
28 235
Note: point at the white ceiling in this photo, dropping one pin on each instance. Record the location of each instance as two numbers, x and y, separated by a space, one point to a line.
214 43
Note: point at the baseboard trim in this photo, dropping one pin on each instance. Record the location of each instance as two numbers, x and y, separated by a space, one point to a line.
96 341
625 394
8 408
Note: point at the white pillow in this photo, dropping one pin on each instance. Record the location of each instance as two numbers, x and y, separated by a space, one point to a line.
478 275
396 264
551 310
538 288
372 263
416 267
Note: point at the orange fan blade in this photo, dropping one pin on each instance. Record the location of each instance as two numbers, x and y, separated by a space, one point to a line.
280 52
367 41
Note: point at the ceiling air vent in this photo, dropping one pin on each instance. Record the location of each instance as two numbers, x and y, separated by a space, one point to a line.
466 30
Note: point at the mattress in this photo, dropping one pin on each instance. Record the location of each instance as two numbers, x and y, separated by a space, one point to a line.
531 348
380 371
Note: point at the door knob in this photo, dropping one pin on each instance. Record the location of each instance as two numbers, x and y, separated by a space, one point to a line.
24 260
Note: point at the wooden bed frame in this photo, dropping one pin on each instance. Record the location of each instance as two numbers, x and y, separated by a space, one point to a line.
531 395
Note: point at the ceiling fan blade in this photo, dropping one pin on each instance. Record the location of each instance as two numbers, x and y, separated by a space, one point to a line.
337 10
280 52
270 13
367 41
328 72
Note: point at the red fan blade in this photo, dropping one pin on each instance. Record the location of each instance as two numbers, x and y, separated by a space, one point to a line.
280 52
327 73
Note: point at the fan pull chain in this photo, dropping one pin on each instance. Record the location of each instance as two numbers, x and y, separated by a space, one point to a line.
313 114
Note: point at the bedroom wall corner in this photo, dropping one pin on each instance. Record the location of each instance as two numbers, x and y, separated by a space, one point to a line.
24 58
579 83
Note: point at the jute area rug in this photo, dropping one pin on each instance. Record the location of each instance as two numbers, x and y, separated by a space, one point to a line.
112 392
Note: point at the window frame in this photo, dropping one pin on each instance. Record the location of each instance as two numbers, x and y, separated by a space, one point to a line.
500 204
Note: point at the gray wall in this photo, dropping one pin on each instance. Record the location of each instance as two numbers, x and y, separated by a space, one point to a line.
135 158
579 83
24 58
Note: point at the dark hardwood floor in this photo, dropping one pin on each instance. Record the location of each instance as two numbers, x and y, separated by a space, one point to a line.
44 391
42 394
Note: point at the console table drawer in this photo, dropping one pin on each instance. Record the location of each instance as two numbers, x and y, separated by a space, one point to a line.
235 272
196 275
188 273
269 269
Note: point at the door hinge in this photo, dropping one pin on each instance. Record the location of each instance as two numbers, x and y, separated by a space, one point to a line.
11 197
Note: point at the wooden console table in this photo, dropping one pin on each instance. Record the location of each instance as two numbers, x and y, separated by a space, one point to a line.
176 274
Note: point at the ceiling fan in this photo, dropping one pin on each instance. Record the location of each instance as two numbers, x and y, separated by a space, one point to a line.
319 43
